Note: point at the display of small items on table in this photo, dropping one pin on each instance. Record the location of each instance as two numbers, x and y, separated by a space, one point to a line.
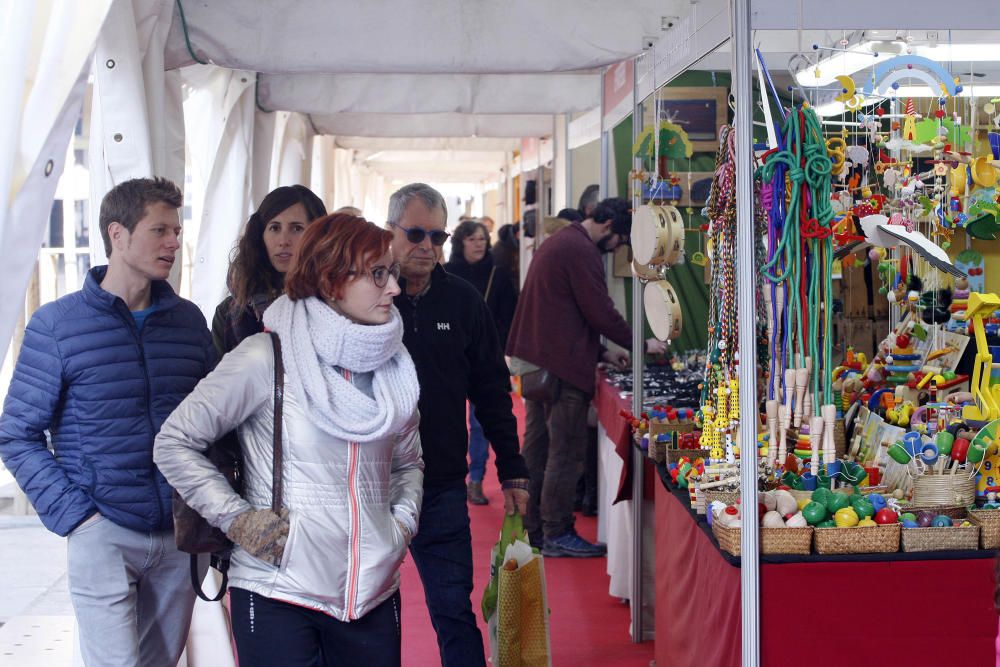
669 431
672 382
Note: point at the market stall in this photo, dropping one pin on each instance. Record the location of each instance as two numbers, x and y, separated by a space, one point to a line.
615 458
830 453
827 610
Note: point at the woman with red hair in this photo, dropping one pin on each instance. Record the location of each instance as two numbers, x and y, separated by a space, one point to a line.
318 582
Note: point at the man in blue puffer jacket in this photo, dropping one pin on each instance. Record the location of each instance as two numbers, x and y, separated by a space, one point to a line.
100 370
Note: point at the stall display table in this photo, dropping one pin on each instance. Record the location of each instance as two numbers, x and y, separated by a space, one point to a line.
615 452
875 609
614 518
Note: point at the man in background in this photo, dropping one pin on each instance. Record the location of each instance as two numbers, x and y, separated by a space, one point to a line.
563 311
451 336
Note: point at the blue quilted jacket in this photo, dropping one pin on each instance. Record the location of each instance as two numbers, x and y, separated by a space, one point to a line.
101 388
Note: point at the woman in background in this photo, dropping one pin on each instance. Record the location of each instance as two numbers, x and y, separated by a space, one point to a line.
262 257
471 260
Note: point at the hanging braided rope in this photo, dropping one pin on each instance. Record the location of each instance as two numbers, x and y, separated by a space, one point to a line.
720 365
800 255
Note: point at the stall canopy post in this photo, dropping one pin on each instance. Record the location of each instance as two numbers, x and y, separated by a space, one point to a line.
745 271
604 141
638 358
568 157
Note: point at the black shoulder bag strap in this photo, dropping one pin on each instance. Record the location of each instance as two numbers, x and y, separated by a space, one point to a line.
221 561
279 401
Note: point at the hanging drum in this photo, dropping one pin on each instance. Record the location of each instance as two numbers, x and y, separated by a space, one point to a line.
644 271
663 310
657 235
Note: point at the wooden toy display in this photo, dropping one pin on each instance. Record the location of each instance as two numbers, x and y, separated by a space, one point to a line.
898 451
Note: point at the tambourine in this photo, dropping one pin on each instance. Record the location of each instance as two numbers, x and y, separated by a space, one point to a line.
657 235
644 271
663 310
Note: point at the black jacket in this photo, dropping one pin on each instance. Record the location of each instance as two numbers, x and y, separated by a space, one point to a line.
454 345
501 300
506 253
230 328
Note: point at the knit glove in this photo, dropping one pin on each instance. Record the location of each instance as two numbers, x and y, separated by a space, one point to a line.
261 533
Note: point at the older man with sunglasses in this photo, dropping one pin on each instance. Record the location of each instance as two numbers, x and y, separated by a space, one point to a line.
454 344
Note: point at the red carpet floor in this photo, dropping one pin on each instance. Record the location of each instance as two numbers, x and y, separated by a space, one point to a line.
588 627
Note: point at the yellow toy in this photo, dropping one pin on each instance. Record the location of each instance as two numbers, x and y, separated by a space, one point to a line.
900 416
987 406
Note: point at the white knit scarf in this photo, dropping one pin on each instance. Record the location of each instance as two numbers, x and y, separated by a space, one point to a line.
315 339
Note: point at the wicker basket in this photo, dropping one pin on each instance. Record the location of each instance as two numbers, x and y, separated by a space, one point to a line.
951 538
858 540
989 523
674 455
711 495
950 511
772 540
948 489
839 438
657 450
729 538
786 540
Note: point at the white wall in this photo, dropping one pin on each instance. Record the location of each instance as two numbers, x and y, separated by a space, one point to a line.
586 169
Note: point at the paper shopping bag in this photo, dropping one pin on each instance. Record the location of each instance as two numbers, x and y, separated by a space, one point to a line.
522 619
511 530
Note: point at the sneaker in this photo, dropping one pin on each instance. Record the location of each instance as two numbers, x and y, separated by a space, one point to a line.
571 545
475 494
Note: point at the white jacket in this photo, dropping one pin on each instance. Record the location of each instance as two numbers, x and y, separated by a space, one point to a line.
344 547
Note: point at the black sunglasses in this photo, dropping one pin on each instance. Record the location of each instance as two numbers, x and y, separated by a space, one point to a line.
416 235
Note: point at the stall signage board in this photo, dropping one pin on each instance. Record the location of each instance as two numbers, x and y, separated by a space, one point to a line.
618 84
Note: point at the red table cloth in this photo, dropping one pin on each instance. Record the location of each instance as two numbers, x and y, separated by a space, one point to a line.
836 614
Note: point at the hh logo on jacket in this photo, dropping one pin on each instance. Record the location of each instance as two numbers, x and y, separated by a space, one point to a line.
444 326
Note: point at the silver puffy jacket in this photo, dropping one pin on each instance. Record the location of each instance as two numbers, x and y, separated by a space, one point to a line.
344 547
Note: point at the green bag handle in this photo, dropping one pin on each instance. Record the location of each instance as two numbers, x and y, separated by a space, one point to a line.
511 530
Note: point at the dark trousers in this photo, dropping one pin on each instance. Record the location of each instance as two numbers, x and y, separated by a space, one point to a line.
442 552
272 633
555 439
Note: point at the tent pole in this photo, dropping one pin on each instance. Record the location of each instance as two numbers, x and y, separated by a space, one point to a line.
638 348
745 270
540 196
569 163
604 141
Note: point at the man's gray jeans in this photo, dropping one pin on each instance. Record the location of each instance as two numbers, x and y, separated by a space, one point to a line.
555 439
132 595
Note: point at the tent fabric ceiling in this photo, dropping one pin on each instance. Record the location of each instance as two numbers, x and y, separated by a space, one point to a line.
430 93
428 143
434 125
462 166
398 36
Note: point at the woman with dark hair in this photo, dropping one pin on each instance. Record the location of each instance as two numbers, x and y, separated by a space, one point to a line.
314 581
261 259
471 260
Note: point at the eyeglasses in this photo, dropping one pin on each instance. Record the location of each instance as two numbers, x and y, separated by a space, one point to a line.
380 274
416 235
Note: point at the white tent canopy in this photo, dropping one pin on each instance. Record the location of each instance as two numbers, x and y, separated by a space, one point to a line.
447 166
428 143
444 36
435 125
430 93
